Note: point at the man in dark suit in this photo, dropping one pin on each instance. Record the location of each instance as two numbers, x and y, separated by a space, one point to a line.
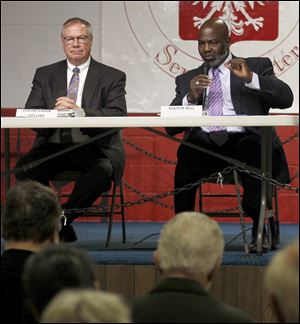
188 255
31 220
94 89
231 86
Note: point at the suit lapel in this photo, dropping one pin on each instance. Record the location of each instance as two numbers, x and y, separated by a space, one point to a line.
90 85
60 80
236 88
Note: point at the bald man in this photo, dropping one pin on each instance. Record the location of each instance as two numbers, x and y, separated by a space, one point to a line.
236 86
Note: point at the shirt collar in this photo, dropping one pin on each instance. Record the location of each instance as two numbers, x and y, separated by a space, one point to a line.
222 67
83 66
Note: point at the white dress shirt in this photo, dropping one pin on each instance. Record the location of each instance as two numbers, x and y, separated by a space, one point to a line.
77 136
228 109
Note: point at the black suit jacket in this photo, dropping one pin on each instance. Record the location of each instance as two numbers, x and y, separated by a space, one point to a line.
273 93
12 294
103 95
178 300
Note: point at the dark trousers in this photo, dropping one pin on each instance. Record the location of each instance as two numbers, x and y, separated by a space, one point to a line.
96 170
193 165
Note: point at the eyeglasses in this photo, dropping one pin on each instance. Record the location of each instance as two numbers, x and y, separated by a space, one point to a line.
81 39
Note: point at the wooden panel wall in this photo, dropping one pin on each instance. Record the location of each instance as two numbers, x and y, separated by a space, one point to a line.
241 287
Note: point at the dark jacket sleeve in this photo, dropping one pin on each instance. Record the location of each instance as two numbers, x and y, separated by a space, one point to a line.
275 92
111 102
113 96
36 100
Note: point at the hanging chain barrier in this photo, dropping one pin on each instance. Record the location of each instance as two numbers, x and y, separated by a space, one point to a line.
154 198
290 139
151 155
161 159
237 165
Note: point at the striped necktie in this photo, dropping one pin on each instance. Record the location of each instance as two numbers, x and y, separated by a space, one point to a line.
66 133
215 108
74 84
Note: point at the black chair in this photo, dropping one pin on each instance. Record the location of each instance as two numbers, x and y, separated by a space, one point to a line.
273 233
110 206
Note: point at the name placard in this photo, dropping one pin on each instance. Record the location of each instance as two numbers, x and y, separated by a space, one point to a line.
187 111
36 113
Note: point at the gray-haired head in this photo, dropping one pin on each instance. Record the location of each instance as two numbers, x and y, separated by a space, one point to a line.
32 213
190 242
86 306
282 283
76 20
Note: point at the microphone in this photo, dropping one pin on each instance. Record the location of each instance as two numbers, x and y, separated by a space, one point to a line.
206 67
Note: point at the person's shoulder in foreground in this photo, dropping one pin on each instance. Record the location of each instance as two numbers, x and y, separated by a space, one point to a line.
282 283
188 255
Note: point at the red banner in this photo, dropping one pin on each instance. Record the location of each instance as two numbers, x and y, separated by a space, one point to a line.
247 20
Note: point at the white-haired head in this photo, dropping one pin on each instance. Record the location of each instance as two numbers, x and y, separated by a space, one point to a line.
190 243
282 283
86 306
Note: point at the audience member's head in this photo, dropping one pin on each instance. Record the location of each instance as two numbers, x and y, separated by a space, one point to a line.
31 216
191 244
86 306
282 282
53 269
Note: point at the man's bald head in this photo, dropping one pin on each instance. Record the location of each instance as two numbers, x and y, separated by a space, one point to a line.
218 25
213 42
